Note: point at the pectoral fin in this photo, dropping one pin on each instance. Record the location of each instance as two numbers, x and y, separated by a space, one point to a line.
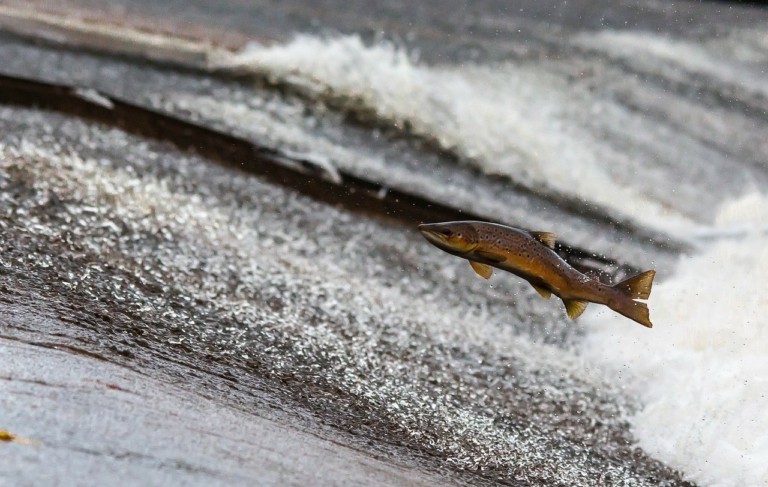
574 307
545 293
483 270
547 238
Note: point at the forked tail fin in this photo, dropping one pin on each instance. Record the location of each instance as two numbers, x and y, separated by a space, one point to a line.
635 310
637 287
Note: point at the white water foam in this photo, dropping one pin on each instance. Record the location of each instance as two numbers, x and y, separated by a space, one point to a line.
702 371
514 120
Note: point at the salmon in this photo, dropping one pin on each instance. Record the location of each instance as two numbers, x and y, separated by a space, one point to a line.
531 255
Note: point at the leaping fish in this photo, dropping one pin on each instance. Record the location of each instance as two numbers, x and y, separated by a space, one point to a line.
530 255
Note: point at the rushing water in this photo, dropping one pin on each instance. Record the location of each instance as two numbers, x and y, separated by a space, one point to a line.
703 373
627 140
663 136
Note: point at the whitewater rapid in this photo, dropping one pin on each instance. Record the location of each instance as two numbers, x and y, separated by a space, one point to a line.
620 130
542 124
701 374
702 371
505 119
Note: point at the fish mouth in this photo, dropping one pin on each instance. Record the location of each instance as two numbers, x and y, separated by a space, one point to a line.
433 235
440 235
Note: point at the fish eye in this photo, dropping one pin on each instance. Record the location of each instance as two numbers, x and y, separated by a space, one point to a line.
447 232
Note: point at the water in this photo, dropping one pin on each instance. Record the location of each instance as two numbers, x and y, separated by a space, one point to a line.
551 126
610 138
703 373
382 338
705 357
505 119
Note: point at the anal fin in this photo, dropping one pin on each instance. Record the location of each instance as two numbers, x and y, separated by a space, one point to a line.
545 293
483 270
575 307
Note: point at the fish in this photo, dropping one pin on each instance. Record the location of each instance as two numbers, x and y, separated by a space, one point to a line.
531 255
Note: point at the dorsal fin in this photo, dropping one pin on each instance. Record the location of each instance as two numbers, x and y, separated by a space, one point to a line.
545 293
637 287
574 307
483 270
547 238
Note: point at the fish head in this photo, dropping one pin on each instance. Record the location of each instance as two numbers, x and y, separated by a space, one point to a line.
458 238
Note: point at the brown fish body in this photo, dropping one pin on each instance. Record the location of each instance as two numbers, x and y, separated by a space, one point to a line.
530 255
538 264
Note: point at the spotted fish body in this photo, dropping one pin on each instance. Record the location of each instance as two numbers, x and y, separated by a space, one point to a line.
530 255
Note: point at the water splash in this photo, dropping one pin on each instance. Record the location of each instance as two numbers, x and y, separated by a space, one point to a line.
705 358
505 119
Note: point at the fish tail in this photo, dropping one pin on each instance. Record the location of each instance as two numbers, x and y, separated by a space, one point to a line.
635 310
638 286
